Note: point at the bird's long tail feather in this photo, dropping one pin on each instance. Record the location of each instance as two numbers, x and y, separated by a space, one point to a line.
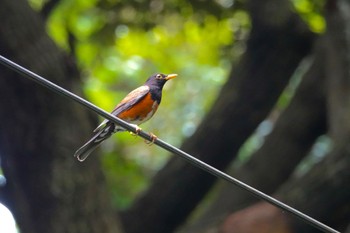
83 152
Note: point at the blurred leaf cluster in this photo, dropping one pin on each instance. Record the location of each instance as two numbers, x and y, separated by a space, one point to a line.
311 12
118 44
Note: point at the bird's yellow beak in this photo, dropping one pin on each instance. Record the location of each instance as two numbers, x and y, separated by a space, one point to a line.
170 76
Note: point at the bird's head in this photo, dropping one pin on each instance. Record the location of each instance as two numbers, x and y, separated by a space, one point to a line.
159 79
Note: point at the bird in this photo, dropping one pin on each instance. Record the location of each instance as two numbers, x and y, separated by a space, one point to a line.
136 108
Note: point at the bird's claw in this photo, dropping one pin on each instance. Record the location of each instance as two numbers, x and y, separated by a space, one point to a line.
151 135
153 139
138 130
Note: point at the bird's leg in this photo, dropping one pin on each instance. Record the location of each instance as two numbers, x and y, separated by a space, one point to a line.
138 130
152 136
153 139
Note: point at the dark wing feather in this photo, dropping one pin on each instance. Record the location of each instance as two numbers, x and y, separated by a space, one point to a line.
83 152
130 100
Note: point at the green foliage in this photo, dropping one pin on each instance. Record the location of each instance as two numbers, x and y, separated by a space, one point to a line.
37 4
311 12
118 45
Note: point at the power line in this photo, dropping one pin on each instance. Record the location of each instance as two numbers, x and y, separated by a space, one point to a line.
194 161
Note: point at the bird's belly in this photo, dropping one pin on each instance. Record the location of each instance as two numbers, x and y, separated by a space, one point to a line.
140 112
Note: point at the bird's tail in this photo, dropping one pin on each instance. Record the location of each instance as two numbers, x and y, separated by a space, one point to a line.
83 152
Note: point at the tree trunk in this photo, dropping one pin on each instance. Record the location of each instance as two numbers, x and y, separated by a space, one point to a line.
323 192
47 189
295 131
274 50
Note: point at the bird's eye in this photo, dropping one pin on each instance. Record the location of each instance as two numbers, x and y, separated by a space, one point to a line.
159 76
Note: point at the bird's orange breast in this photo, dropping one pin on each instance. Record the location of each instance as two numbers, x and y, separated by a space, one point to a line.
141 111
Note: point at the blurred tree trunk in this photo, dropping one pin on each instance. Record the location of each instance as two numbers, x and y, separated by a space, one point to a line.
277 43
323 192
47 189
295 131
348 229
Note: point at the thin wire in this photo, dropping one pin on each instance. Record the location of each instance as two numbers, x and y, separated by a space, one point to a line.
196 162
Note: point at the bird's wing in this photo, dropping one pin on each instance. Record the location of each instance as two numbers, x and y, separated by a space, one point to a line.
83 152
131 99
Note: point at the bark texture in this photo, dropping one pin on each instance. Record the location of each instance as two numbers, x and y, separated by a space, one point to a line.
47 189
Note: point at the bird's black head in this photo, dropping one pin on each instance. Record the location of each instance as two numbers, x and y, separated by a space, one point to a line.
159 79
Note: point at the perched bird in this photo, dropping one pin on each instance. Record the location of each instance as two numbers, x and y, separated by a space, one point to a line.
136 108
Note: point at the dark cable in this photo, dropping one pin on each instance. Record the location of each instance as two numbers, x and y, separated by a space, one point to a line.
196 162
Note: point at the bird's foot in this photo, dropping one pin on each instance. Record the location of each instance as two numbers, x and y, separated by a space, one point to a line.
153 139
138 130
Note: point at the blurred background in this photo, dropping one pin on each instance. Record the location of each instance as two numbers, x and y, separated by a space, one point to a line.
262 93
